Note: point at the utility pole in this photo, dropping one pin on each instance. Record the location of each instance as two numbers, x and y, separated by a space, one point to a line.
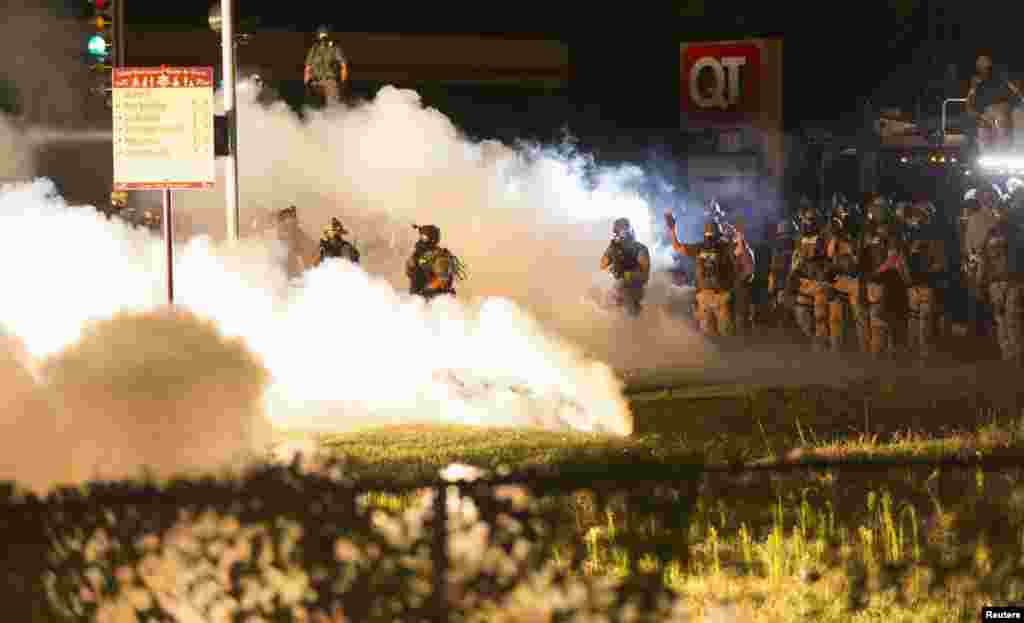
222 19
119 54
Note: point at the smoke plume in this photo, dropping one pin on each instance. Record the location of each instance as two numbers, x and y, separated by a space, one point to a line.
530 221
156 393
344 346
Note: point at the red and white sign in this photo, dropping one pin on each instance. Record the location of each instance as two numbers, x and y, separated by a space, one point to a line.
720 82
163 128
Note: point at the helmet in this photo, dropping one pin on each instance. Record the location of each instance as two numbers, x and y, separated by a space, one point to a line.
119 198
322 32
621 229
430 233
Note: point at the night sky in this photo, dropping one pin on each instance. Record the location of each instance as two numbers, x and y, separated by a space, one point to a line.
629 59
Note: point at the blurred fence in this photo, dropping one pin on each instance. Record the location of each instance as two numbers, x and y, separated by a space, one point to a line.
283 541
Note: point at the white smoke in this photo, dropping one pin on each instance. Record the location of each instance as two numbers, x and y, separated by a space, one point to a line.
345 345
530 221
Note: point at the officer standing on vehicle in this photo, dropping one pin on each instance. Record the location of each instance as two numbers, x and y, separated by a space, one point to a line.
326 70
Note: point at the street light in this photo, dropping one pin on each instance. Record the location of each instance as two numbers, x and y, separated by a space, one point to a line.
221 20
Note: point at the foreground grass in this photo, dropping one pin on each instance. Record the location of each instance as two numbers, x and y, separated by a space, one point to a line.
716 425
905 545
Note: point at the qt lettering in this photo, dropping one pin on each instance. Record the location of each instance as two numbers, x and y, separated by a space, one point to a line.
726 90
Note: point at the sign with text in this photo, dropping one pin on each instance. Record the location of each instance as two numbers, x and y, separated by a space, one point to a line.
721 81
163 128
733 89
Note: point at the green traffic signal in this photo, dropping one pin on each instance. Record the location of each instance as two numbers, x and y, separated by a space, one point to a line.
97 45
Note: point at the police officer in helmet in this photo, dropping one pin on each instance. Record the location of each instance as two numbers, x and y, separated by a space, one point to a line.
326 68
432 269
333 243
629 262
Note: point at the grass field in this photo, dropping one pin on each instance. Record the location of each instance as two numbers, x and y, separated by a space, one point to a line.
908 544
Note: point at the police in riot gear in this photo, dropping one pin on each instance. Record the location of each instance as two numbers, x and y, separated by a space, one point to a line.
629 261
884 271
781 260
845 296
283 224
743 286
333 243
432 269
715 271
326 69
990 101
927 270
1000 281
807 285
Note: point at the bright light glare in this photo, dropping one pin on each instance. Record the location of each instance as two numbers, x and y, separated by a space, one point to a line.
97 45
1005 163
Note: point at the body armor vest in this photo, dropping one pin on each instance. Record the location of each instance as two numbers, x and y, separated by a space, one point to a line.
812 257
710 268
338 248
997 255
845 256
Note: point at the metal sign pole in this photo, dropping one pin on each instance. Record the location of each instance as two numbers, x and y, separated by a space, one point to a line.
169 243
227 41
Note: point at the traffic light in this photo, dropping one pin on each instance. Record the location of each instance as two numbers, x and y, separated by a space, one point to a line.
101 42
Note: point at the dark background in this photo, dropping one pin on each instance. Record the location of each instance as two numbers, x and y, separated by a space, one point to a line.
623 96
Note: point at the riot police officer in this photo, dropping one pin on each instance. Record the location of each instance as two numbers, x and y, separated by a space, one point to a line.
326 69
629 261
714 276
432 269
333 243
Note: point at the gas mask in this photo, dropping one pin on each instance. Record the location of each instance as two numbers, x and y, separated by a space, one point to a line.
808 225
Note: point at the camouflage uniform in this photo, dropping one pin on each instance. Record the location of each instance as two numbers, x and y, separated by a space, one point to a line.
778 270
324 65
333 245
807 281
743 261
431 269
884 270
978 221
629 261
714 275
926 263
846 296
1000 276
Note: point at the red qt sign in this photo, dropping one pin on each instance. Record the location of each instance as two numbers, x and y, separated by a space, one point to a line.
720 82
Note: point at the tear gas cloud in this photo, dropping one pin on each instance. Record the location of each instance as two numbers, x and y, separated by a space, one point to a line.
530 221
151 393
346 346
